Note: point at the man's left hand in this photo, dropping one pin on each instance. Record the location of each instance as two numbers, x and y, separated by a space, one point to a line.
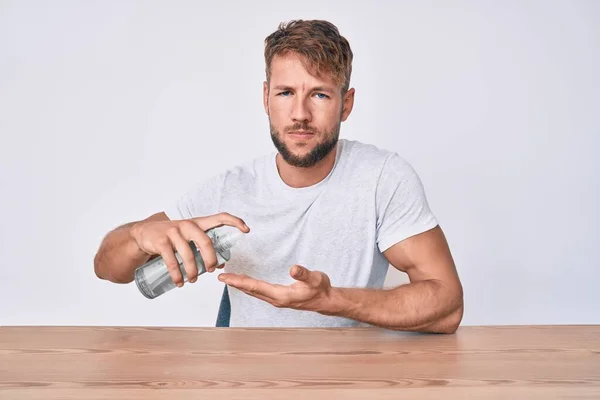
311 291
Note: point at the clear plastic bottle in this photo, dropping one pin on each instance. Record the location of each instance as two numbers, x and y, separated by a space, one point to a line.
153 279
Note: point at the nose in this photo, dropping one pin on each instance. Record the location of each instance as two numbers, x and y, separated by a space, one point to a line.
301 111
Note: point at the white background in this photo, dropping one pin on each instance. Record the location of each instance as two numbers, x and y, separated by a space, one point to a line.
109 110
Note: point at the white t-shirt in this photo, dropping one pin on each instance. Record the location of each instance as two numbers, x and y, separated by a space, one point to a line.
370 200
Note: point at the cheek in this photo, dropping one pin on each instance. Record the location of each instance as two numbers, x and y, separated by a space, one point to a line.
277 112
277 104
328 121
276 120
328 113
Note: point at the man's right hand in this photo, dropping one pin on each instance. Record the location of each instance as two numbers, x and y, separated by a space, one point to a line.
165 237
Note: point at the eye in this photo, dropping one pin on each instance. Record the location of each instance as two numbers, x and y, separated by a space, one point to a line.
284 94
321 96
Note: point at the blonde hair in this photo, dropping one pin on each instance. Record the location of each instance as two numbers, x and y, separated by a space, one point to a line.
319 43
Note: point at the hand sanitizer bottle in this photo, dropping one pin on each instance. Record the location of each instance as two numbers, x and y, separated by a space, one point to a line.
153 279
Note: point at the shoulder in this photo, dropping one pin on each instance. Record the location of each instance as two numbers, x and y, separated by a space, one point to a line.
355 149
384 167
246 172
365 156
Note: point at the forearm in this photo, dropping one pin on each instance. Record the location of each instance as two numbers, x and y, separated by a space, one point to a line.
119 255
424 306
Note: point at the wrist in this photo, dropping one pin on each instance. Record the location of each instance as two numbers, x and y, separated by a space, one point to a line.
338 303
134 239
133 232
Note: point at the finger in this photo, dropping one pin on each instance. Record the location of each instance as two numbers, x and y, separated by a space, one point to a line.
303 274
207 252
185 252
255 286
221 266
255 293
168 255
204 245
213 221
269 300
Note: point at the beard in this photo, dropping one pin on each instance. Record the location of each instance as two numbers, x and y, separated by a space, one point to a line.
320 151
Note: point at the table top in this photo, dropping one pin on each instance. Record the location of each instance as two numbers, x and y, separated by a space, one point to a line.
495 362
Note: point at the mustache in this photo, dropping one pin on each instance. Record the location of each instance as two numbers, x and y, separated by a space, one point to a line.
301 127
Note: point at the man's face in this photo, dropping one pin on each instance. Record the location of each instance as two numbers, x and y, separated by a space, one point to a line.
305 112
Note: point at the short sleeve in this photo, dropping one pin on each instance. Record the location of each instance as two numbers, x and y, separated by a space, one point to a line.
402 207
200 200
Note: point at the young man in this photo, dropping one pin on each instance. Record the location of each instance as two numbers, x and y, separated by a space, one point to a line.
328 215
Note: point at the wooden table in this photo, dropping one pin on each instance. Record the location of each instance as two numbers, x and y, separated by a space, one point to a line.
534 362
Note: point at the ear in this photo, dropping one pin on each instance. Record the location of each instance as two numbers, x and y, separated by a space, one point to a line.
348 104
266 96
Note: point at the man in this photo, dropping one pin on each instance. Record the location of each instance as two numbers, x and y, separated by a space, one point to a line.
327 215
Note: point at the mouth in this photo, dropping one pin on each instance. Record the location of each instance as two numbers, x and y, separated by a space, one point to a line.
301 134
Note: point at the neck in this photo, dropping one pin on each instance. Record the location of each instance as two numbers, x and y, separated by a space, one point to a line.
298 177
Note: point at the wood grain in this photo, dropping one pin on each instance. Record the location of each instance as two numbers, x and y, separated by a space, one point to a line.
533 362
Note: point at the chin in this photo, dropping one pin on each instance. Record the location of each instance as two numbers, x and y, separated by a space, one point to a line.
300 146
303 153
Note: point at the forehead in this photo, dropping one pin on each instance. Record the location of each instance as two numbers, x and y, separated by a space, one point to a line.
289 70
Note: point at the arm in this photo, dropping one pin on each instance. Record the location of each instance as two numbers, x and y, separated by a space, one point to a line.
131 245
119 253
431 302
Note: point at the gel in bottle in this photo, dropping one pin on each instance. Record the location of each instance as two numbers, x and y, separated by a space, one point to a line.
153 279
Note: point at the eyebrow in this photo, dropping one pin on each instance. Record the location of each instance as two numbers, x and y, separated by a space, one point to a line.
314 89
